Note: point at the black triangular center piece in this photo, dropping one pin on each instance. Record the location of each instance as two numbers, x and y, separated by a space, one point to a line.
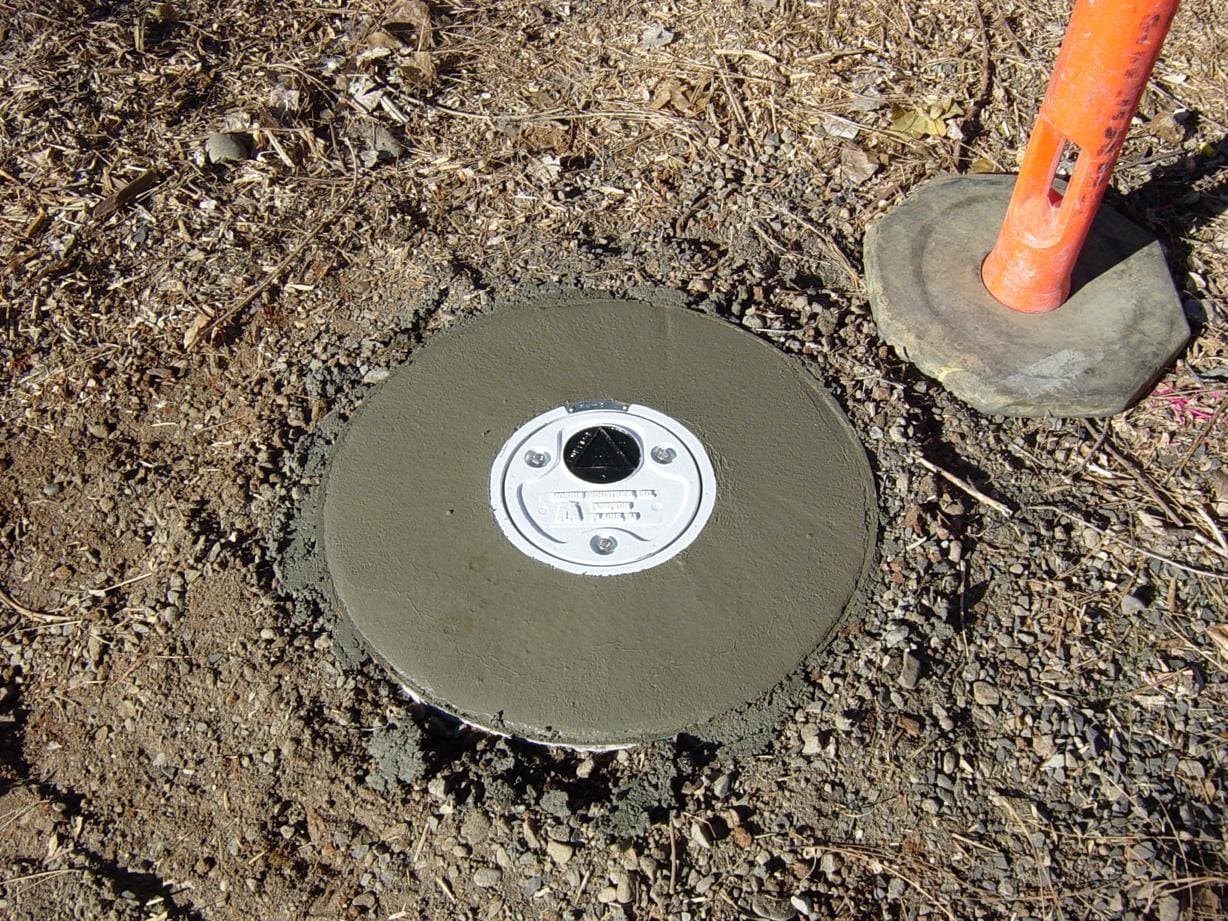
602 454
602 451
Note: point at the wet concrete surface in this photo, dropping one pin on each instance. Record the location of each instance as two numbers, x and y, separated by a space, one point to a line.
418 565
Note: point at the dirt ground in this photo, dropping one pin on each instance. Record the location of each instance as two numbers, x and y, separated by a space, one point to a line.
221 221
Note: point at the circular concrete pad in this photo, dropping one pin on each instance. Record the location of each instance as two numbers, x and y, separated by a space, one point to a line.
478 628
1093 356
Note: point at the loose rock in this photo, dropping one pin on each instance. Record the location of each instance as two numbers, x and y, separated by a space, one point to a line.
910 671
985 694
487 877
226 147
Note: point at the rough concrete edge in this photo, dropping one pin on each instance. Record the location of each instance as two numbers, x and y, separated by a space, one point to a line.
299 570
741 731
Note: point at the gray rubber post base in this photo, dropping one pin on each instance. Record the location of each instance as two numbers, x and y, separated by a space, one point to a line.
1093 356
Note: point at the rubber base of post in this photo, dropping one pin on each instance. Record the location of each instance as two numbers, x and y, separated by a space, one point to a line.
1094 356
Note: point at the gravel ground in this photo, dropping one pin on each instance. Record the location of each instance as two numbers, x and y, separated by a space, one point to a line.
221 223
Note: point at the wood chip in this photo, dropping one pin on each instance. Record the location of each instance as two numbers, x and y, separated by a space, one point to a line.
126 195
1219 636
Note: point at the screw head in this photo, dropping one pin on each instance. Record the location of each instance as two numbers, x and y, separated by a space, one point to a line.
603 544
663 454
536 459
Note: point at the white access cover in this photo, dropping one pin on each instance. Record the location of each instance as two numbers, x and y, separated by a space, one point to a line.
602 529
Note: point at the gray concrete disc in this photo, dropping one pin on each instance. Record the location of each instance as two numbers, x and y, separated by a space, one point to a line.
479 629
1093 356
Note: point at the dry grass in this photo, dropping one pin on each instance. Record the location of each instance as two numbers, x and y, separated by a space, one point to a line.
512 95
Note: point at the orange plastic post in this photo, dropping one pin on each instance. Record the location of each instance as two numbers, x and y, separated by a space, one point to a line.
1105 61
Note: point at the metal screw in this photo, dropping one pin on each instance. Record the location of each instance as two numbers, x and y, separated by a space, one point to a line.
536 458
663 455
603 545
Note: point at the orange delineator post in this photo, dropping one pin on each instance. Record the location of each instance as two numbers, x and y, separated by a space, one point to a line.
1105 61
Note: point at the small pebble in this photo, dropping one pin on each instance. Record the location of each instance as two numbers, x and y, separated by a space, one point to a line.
701 834
385 144
624 891
910 671
487 877
226 147
985 694
895 635
1168 908
772 909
